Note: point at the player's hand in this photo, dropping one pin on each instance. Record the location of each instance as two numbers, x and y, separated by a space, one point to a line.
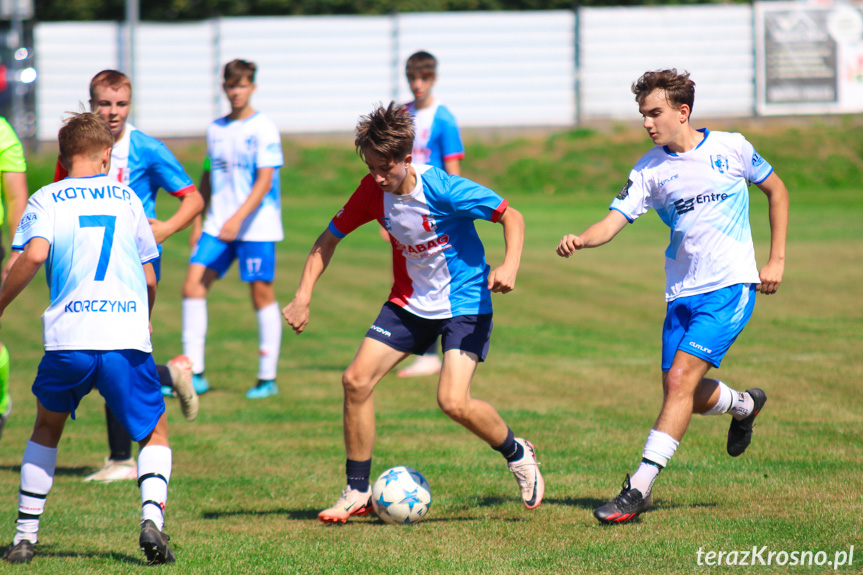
568 245
297 316
502 279
229 231
771 277
160 230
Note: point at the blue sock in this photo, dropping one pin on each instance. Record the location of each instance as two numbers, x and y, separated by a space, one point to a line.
510 448
358 473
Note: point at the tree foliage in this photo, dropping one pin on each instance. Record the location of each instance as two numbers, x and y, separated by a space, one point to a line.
55 10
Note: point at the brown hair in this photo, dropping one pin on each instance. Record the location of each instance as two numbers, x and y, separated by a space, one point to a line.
109 79
678 88
84 134
421 64
386 132
238 70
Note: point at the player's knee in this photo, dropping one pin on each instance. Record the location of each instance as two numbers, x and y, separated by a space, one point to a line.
356 386
677 384
454 408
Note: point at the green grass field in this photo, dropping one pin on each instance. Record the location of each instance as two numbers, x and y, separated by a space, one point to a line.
574 367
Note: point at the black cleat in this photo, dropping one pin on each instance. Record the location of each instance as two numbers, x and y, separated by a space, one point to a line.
22 552
624 507
154 544
740 432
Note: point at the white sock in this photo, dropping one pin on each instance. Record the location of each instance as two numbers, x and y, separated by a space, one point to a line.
37 477
269 339
726 396
195 331
658 450
742 405
154 473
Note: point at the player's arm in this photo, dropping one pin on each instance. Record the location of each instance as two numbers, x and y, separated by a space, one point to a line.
452 166
262 185
191 205
24 270
778 202
596 235
198 223
297 312
502 279
152 285
15 189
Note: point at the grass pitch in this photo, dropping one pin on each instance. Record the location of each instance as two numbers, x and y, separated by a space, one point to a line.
574 367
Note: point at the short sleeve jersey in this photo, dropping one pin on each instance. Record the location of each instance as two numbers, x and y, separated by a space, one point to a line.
100 237
237 150
439 265
437 136
11 155
144 164
703 196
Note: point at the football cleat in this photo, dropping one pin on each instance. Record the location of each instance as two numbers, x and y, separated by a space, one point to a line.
427 364
264 388
352 503
181 376
115 471
740 432
527 475
625 506
154 544
21 552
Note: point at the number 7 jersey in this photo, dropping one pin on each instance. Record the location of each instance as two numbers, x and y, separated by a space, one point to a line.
99 240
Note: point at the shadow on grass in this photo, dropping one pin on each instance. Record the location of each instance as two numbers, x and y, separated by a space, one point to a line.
65 471
582 502
52 552
295 514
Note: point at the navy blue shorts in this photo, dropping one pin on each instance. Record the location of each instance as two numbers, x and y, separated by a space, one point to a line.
410 333
126 378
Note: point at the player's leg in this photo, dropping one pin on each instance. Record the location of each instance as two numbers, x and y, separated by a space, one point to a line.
257 262
428 363
62 379
5 396
154 475
119 465
373 360
483 420
210 260
465 341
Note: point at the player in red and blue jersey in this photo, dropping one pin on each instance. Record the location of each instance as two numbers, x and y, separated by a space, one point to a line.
442 287
144 164
437 142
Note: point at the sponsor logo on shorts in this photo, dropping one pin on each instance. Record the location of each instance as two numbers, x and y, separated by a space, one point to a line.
381 331
700 347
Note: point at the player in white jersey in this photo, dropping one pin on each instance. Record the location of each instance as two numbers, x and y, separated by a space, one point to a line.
94 238
437 143
698 182
243 222
442 287
146 165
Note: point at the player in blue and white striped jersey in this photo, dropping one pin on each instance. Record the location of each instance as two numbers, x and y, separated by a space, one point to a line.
698 182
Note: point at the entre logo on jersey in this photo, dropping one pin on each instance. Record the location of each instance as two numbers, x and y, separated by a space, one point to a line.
687 205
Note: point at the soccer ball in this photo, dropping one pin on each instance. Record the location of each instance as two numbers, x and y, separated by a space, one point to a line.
401 495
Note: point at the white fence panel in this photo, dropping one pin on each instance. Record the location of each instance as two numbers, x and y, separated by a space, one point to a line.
714 43
497 68
68 54
315 74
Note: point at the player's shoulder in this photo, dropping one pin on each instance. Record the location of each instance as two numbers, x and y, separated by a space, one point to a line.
653 158
444 114
725 138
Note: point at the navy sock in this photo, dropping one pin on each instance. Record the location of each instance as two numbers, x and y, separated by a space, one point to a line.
358 473
510 448
164 376
119 440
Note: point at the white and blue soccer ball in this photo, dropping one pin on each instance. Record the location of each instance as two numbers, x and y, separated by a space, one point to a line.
401 495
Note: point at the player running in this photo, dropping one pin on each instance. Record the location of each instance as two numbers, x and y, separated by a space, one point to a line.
698 182
92 234
442 286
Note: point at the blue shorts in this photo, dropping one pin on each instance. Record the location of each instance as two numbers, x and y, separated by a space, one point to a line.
126 378
257 259
404 331
705 325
